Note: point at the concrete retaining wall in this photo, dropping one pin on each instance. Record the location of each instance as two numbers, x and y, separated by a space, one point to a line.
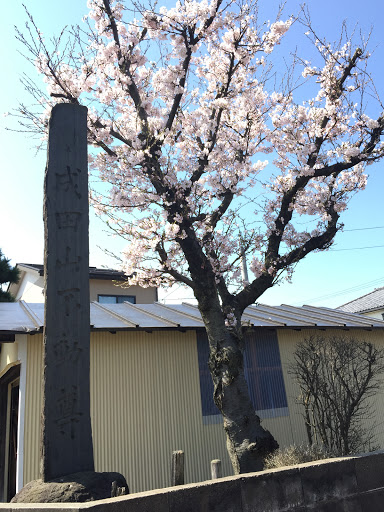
354 484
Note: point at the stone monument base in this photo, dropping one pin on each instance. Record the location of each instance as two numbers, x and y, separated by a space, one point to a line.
77 487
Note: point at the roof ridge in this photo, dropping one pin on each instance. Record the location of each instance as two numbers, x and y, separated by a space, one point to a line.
114 314
168 307
138 307
28 311
343 314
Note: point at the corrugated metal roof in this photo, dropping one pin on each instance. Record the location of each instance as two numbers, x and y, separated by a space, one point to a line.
20 317
369 302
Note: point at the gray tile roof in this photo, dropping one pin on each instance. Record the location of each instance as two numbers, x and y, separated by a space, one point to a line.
369 302
22 317
94 272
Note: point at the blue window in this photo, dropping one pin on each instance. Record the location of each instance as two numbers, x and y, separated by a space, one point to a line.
116 299
263 373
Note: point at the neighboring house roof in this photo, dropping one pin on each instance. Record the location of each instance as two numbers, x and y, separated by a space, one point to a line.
94 272
22 317
369 302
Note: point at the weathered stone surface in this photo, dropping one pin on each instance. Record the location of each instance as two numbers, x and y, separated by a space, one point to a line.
78 487
322 482
150 501
177 471
369 469
267 493
278 490
66 442
215 496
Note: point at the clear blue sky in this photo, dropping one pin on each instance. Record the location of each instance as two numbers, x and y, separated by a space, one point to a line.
326 275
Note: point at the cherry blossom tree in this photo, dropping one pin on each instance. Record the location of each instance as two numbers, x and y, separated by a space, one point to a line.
205 160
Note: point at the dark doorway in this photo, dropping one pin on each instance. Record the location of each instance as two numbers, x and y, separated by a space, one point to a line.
9 403
12 449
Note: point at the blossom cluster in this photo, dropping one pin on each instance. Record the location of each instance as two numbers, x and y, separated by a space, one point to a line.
183 120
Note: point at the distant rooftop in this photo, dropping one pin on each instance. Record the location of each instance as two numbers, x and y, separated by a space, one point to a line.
94 272
369 302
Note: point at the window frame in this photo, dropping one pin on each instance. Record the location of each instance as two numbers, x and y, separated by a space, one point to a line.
126 297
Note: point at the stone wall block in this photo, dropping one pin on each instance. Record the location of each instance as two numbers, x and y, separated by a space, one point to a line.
370 471
350 504
151 502
322 482
371 501
266 493
210 497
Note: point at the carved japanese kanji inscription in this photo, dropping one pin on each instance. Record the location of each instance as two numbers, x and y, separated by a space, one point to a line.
66 444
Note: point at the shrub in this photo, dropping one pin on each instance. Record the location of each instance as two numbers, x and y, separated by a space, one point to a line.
338 376
292 455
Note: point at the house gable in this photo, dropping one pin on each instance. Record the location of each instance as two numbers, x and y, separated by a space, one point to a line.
102 282
370 304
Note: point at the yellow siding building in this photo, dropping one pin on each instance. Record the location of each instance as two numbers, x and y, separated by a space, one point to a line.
145 396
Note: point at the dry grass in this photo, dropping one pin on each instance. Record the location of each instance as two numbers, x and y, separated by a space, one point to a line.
292 455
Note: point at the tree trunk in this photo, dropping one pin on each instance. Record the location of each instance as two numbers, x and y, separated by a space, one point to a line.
248 443
308 422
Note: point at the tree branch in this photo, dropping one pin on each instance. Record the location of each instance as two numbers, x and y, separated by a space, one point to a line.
124 66
172 272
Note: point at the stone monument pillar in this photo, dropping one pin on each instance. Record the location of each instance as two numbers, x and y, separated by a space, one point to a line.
67 468
66 442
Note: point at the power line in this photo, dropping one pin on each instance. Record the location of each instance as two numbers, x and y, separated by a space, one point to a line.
355 288
363 229
357 248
